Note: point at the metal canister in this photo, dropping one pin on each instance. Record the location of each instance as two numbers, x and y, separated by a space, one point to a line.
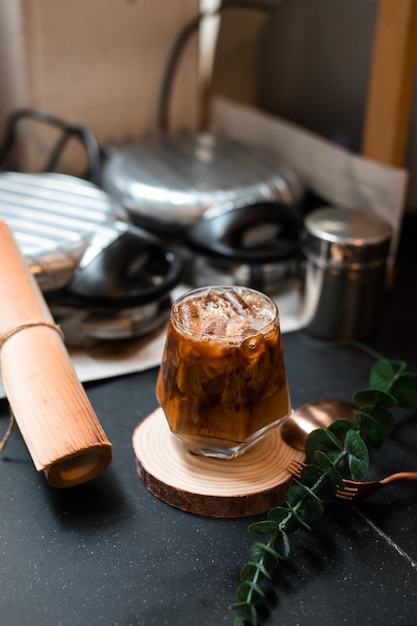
345 266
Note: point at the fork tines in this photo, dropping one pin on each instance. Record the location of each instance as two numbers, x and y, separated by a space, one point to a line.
348 493
295 468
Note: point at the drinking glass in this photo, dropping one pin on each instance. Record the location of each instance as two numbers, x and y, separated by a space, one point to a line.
222 382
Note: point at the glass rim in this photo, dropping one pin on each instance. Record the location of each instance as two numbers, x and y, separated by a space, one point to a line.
219 288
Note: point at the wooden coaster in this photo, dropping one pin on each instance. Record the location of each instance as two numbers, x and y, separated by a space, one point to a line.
250 484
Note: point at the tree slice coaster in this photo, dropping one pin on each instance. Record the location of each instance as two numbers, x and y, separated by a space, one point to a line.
250 484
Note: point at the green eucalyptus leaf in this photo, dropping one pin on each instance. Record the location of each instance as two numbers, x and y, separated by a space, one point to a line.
265 527
331 471
255 553
270 556
261 553
381 375
239 606
358 456
405 390
242 592
339 429
280 514
321 439
250 615
370 429
249 587
298 518
314 476
311 509
374 397
295 494
384 417
251 568
310 474
282 544
248 570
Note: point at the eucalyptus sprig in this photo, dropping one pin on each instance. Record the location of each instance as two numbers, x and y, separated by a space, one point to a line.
340 450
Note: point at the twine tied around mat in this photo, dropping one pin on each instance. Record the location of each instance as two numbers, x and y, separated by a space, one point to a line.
3 339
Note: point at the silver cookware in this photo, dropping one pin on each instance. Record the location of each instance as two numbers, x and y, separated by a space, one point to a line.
168 183
103 277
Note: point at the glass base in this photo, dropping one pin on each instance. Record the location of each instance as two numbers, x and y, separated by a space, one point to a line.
220 449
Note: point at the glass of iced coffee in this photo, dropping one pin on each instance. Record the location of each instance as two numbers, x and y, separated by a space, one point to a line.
222 382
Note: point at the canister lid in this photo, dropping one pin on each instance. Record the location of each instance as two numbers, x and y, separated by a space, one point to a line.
346 237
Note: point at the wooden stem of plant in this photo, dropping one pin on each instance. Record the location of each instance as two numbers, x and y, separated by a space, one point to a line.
54 415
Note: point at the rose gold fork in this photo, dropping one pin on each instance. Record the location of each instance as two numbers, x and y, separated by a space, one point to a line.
354 491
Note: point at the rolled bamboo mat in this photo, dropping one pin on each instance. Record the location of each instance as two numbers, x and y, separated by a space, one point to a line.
59 426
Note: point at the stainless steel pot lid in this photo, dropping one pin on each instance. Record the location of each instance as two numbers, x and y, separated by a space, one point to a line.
53 217
171 181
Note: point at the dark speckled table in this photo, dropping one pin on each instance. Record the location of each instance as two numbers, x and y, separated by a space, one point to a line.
110 553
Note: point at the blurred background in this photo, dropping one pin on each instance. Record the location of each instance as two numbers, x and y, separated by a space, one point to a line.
101 63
